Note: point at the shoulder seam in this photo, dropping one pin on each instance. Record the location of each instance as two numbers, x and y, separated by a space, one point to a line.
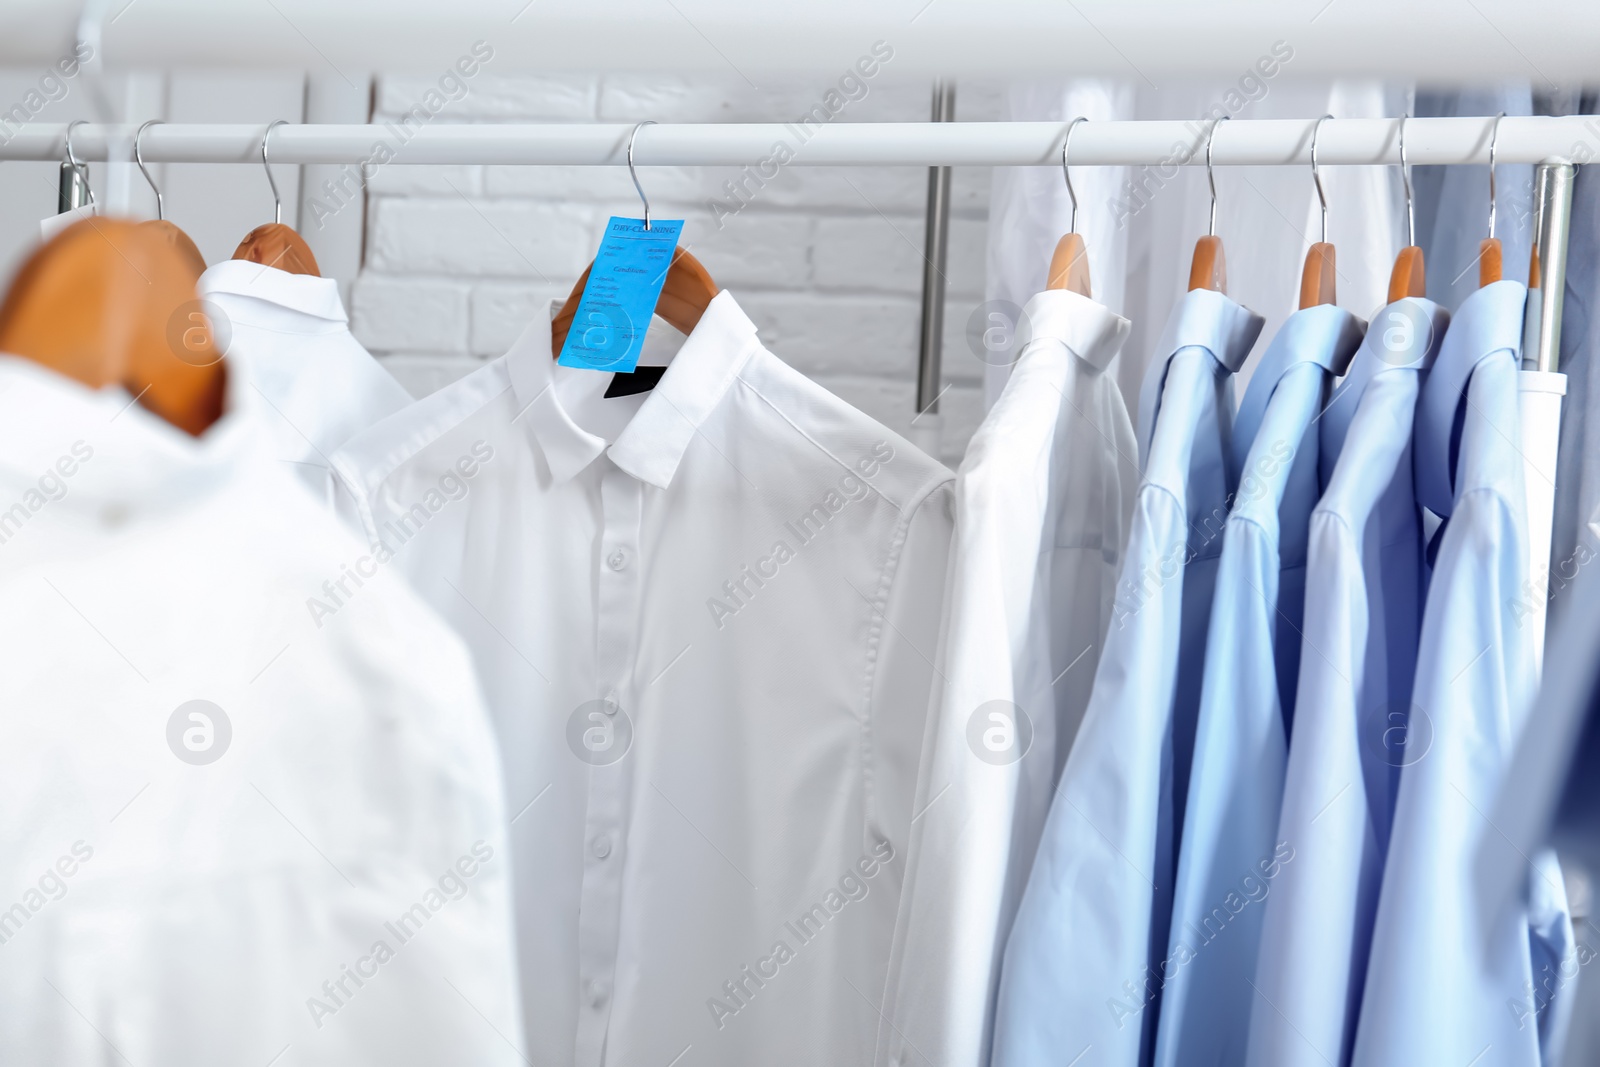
919 491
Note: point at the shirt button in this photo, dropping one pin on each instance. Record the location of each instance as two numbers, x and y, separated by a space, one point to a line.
597 993
617 560
601 846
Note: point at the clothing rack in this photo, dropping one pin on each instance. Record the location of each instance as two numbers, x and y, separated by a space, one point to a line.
1553 143
818 143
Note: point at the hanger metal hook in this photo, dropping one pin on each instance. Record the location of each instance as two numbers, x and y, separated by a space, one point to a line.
1316 175
1072 226
277 202
1494 143
1211 175
78 164
635 174
138 157
1405 180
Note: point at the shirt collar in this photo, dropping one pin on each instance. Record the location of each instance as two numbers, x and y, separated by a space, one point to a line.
140 462
1488 323
1404 336
1325 335
652 445
305 293
1202 319
568 448
1090 331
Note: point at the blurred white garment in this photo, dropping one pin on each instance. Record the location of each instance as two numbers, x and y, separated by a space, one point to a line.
249 793
705 617
290 336
1043 504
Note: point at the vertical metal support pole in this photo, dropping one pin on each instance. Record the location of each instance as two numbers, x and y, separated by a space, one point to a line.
1541 385
1552 218
935 248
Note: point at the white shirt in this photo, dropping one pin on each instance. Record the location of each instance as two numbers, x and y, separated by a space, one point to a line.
1084 961
156 908
1042 506
706 618
318 386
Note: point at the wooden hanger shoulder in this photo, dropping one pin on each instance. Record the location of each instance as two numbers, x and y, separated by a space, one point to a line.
276 245
1318 277
1069 266
1490 265
1409 277
109 302
685 294
1209 268
182 243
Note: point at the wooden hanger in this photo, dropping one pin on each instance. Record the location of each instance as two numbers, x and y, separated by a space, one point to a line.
1317 277
685 294
1490 256
194 262
1069 266
1410 275
1209 268
274 244
104 303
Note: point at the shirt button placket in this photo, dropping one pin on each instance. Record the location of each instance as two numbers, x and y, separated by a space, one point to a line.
610 776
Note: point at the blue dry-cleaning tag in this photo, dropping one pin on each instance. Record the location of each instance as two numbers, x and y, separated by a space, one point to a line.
620 296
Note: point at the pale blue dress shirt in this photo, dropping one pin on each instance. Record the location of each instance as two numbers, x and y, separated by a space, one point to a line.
1442 986
1227 862
1079 974
1365 580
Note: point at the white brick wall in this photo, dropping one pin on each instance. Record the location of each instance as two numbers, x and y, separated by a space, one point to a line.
826 261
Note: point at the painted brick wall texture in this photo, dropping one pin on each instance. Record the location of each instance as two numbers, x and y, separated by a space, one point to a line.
826 261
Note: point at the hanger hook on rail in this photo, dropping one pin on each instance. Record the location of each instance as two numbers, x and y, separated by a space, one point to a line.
277 202
1316 175
1211 175
635 174
138 157
1405 181
78 164
1072 226
1494 143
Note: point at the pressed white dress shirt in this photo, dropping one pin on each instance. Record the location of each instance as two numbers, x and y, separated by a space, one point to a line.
706 618
236 829
1042 507
1084 961
1365 583
317 386
1231 852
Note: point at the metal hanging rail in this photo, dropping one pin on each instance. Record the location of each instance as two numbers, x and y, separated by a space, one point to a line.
1159 145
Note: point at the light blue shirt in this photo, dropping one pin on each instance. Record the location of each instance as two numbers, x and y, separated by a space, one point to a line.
1365 580
1441 987
1227 862
1078 971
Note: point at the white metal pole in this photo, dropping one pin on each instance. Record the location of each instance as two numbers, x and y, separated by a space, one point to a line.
1542 384
1160 145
